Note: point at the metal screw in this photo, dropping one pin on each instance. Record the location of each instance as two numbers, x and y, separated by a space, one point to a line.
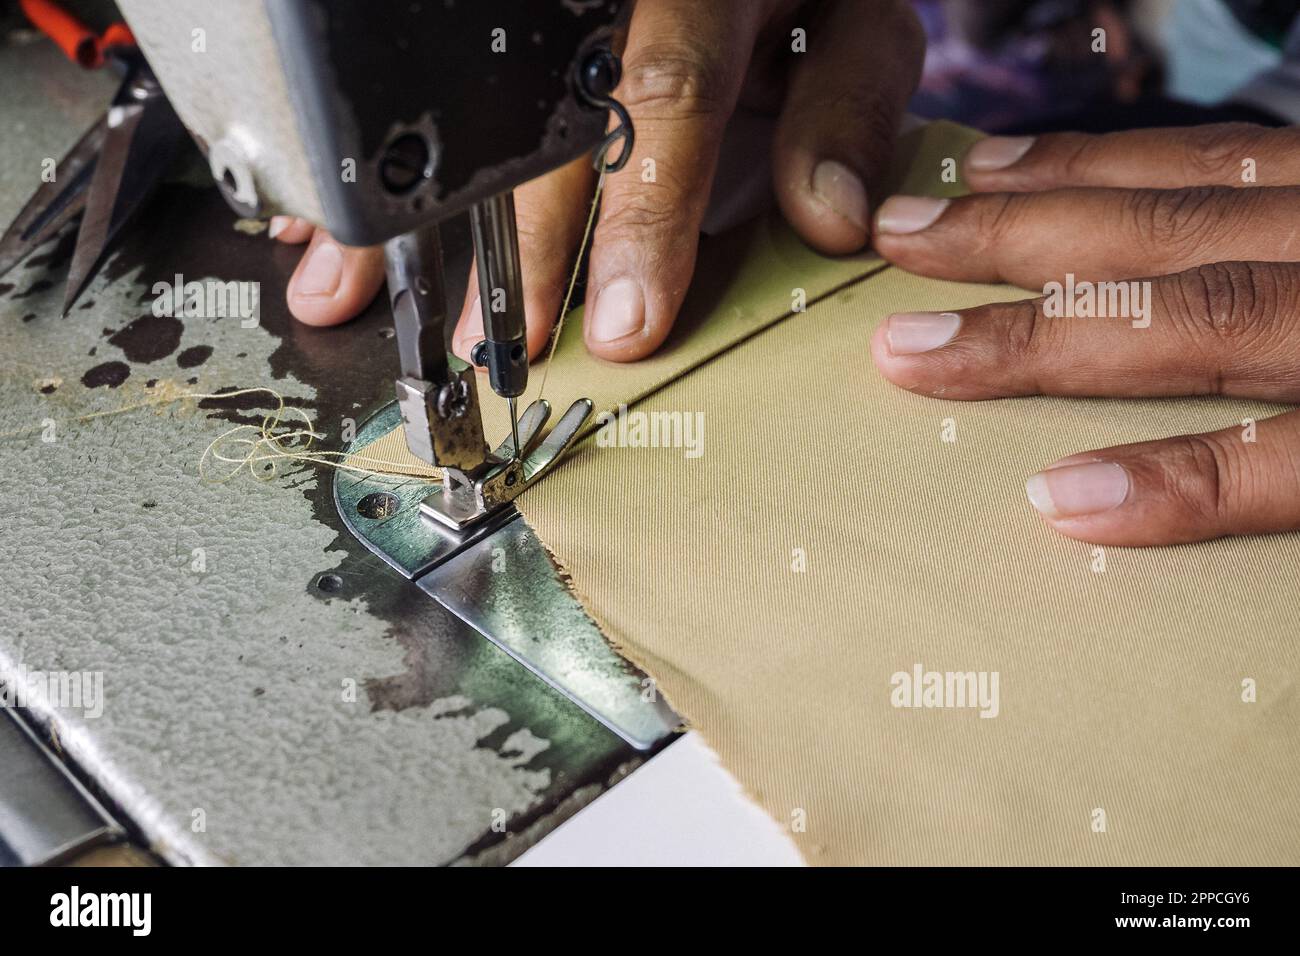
478 354
453 400
599 74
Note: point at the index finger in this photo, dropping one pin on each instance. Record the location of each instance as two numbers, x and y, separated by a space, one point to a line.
1225 154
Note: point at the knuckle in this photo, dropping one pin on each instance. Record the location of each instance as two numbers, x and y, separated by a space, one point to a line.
636 213
1182 221
1219 150
675 78
1226 301
1203 477
1081 154
869 114
997 215
1021 333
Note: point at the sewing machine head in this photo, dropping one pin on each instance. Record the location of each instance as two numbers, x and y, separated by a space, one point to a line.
379 122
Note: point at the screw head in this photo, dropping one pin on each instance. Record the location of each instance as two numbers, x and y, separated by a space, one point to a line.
600 73
453 400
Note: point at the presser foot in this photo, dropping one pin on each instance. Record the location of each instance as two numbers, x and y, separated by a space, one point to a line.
465 499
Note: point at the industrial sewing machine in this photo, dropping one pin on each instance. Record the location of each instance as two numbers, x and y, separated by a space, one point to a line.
369 119
380 121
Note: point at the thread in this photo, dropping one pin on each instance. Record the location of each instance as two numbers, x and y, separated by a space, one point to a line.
573 281
265 445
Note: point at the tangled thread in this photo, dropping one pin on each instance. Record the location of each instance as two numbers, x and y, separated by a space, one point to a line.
267 445
262 449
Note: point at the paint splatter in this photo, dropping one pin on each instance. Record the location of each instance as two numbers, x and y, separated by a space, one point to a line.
149 338
111 374
194 355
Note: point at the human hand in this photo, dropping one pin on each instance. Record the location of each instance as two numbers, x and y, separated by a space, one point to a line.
1212 216
686 67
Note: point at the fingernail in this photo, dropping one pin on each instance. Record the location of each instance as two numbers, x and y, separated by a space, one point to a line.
997 152
901 215
471 333
321 273
278 225
841 189
908 333
620 311
1074 490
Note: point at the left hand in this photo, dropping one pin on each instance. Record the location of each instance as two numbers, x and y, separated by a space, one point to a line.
1223 252
687 67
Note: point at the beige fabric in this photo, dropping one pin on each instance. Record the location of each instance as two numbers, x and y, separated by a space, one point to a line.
1120 690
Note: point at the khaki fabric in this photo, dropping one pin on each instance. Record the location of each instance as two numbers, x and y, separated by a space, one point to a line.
1120 691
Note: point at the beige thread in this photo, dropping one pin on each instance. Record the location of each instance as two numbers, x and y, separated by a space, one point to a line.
573 281
269 446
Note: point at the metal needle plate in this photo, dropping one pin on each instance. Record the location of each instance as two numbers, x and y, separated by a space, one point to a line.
499 579
384 512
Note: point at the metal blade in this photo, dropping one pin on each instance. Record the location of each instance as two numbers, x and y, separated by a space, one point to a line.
142 134
54 204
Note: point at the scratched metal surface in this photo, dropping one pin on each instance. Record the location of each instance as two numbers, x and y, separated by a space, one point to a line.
227 734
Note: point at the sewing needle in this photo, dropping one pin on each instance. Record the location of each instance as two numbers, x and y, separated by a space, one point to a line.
514 426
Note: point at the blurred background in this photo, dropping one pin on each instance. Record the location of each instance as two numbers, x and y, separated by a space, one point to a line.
1016 66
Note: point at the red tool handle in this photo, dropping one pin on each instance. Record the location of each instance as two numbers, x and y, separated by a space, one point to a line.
79 43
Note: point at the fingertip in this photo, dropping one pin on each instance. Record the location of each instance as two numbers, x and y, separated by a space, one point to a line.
625 324
995 155
905 371
828 206
290 230
334 283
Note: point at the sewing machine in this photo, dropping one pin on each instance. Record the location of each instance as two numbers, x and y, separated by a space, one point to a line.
369 121
327 610
372 122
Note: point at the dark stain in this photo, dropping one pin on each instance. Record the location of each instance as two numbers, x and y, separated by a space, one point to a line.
37 287
148 504
111 374
149 338
249 402
151 383
48 389
194 356
29 316
93 350
88 304
6 288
